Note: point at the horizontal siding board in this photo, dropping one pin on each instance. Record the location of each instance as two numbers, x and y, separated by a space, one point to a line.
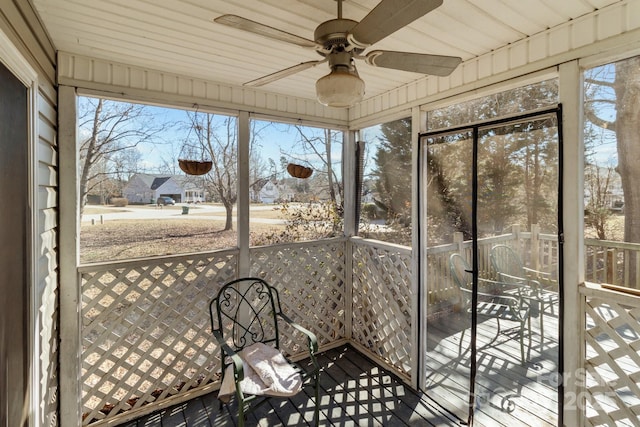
47 219
47 196
47 113
90 73
45 152
46 175
46 130
27 41
19 22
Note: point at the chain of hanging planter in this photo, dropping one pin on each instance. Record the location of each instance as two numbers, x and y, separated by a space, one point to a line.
188 159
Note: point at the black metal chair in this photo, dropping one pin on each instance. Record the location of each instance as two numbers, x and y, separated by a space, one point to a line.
247 311
490 305
538 287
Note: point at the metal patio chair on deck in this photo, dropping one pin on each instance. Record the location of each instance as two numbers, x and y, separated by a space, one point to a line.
535 286
244 321
495 304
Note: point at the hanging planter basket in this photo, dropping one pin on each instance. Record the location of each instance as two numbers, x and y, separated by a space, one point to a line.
195 167
299 171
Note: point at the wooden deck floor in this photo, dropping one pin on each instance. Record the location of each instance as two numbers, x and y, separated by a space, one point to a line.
354 392
508 392
357 392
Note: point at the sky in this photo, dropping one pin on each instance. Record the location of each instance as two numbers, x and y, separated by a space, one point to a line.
274 139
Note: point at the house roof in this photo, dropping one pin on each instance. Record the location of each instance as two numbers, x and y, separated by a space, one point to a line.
155 181
180 37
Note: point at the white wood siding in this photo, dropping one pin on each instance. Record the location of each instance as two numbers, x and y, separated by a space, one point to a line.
165 88
19 23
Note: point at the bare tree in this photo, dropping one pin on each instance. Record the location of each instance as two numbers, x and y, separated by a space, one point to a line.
320 145
110 129
598 184
612 102
215 137
617 88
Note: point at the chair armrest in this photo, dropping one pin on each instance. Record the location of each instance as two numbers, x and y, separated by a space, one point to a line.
311 337
519 284
238 368
524 282
542 274
512 302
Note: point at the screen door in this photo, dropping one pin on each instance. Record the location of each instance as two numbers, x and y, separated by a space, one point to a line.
491 252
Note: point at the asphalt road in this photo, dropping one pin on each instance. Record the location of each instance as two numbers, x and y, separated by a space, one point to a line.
196 212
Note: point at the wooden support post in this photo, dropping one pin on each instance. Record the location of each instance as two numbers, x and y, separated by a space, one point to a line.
458 239
535 247
515 230
610 266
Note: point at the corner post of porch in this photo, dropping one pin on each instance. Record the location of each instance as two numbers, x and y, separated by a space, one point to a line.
419 299
70 281
515 232
242 223
572 244
351 200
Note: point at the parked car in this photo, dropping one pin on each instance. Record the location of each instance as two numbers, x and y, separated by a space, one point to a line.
165 200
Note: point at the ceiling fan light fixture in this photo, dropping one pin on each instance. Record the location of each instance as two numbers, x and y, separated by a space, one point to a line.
340 88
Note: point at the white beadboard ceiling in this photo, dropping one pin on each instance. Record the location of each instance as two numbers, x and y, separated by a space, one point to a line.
179 36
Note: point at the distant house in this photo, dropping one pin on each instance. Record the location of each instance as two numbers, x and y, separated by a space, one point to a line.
272 192
269 193
146 188
607 181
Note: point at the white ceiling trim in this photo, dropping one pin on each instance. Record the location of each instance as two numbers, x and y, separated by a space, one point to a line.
588 35
135 83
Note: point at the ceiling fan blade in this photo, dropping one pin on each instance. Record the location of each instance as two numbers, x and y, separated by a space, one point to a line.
263 30
388 17
436 65
283 73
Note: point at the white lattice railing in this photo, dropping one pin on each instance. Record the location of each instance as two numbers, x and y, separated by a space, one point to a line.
382 299
310 278
145 324
612 356
145 329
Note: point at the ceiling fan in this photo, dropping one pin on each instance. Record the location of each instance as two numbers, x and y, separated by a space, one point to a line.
340 41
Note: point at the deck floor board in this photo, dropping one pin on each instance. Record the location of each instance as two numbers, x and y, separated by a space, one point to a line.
510 393
354 391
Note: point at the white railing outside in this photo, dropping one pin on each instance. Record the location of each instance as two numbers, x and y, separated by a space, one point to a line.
616 263
538 251
611 377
